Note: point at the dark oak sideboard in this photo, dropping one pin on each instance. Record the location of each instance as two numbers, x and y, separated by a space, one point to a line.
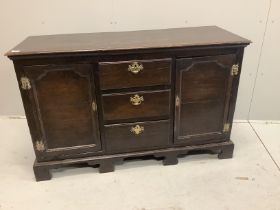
99 98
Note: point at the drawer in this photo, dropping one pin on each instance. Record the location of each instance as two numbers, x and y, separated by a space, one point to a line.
136 73
137 136
136 106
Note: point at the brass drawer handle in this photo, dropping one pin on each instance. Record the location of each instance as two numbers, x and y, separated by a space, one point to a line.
136 100
135 67
137 129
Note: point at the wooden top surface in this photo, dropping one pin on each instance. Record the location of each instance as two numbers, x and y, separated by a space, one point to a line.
111 41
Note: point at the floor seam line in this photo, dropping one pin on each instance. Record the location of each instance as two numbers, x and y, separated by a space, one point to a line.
265 122
264 146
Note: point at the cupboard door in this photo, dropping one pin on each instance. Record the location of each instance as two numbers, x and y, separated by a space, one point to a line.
63 110
203 89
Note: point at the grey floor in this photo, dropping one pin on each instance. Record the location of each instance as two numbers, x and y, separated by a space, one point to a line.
251 180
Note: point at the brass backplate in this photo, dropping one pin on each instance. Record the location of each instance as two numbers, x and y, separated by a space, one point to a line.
136 100
135 67
137 129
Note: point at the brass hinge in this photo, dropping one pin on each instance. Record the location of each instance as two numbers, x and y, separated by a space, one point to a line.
40 146
25 83
93 106
226 127
177 101
234 69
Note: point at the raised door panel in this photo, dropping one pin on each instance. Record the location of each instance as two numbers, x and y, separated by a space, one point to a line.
203 89
62 97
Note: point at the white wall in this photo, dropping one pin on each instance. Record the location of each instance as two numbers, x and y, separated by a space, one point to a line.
248 18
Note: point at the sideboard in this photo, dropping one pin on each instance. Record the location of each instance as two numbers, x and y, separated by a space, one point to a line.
99 98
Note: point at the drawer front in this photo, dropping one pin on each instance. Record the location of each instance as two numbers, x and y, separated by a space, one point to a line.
137 136
136 73
133 106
